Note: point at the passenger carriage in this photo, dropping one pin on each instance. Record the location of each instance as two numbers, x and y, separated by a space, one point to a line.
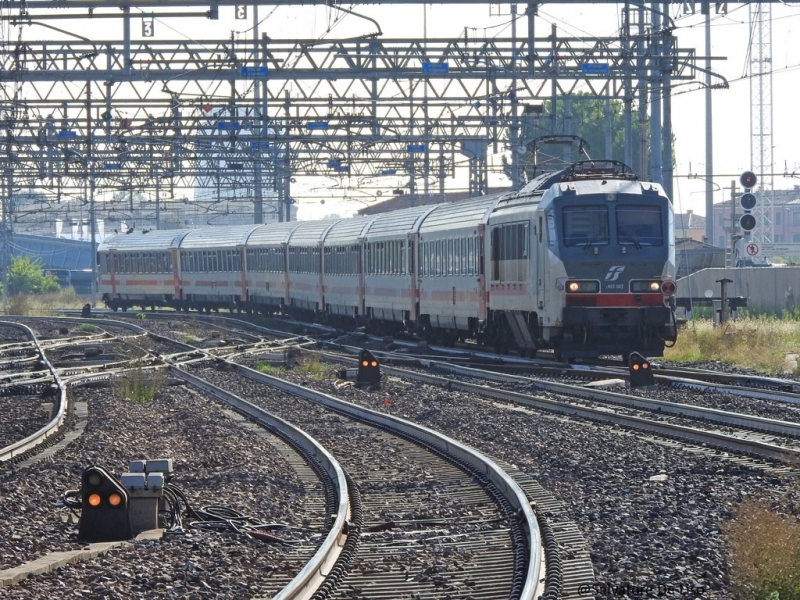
304 266
212 268
390 273
140 269
452 298
265 261
343 273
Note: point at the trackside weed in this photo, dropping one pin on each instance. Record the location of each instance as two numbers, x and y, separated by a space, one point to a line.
764 549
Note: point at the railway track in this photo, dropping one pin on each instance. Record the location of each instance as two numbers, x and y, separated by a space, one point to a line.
427 500
725 430
753 435
317 555
741 460
499 515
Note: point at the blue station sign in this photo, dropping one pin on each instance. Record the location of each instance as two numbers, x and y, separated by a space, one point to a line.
595 69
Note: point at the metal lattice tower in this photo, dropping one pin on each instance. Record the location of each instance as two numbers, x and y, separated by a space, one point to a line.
761 117
229 120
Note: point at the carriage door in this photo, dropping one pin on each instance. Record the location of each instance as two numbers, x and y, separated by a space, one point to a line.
545 230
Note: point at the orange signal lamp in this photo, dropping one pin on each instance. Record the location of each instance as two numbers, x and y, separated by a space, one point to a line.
94 500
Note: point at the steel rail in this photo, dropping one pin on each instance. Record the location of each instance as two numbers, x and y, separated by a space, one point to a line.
313 574
476 460
715 439
56 423
733 390
59 417
713 415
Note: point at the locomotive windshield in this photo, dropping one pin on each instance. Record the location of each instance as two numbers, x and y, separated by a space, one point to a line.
639 226
585 225
591 225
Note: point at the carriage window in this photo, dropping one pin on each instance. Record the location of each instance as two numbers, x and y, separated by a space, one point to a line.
510 252
585 225
639 226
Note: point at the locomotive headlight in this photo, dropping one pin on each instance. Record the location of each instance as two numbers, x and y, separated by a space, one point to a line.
643 287
583 287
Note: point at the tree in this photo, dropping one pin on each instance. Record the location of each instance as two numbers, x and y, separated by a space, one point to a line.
587 119
25 277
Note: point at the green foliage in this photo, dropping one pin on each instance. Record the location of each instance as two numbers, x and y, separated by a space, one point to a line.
587 120
264 367
140 385
314 368
759 342
141 316
87 328
25 277
764 549
29 304
19 305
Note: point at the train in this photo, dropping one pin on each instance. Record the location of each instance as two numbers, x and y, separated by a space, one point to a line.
581 260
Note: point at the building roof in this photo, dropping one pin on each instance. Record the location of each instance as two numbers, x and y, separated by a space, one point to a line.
689 220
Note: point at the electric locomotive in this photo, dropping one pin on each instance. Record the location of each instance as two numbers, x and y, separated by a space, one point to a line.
604 262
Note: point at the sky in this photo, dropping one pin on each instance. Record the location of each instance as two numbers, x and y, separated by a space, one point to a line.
730 36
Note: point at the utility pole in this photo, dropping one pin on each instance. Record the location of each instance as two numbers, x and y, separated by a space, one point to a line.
731 262
90 175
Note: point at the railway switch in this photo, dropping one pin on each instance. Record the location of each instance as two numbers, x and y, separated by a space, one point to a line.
369 371
105 513
641 371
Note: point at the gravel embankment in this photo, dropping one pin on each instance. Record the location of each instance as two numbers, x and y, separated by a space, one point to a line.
215 462
640 532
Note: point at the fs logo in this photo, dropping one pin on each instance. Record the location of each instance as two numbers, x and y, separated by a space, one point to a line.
614 273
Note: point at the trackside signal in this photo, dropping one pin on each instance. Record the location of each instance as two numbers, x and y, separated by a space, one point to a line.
641 372
105 515
369 371
748 200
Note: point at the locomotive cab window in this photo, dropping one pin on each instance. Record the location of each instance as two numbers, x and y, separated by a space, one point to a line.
585 225
639 226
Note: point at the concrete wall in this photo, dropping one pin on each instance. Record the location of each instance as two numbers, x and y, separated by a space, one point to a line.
767 289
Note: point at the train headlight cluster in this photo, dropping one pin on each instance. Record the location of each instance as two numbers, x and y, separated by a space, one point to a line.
583 287
644 287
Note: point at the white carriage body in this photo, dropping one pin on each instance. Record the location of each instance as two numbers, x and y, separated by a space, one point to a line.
140 265
343 275
267 278
211 261
389 279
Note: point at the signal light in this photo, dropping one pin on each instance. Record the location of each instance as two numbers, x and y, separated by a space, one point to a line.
748 180
105 513
747 222
748 201
369 371
641 375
